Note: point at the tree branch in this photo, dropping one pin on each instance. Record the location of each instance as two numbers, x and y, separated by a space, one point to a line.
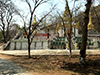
2 18
1 29
1 25
40 22
42 18
10 20
29 5
96 14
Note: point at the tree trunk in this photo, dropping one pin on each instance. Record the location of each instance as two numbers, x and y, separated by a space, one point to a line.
29 47
70 36
4 37
70 33
64 29
7 33
70 49
84 36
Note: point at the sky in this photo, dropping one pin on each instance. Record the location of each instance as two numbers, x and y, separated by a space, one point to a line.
44 8
41 10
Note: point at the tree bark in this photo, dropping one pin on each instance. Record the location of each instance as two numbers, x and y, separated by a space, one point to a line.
84 36
70 33
4 35
70 36
29 55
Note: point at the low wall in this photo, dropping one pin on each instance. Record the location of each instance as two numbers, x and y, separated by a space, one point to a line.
23 45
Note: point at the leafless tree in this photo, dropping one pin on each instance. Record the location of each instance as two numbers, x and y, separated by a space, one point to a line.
84 32
7 11
33 5
68 14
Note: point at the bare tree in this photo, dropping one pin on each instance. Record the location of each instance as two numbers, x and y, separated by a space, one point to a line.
69 34
84 32
67 23
7 11
33 5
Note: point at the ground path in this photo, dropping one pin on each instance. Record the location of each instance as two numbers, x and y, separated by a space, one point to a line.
50 52
9 68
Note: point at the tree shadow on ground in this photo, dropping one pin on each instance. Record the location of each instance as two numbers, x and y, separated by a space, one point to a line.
9 68
92 67
58 63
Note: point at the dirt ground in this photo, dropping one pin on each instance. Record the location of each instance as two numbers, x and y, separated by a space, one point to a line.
1 44
57 65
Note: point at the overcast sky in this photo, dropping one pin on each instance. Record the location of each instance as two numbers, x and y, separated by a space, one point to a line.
46 7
